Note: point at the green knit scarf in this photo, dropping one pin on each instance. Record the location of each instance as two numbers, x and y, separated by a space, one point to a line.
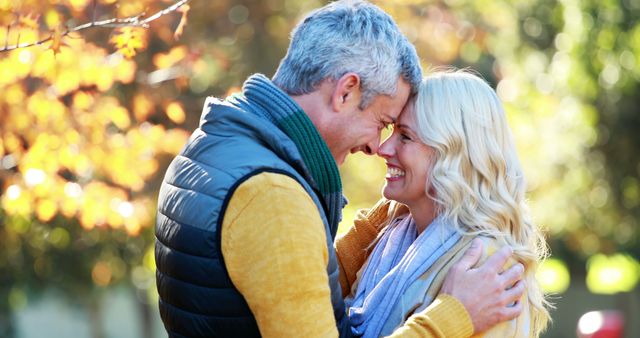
287 115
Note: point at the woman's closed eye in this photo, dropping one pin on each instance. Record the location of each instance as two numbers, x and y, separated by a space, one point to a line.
405 138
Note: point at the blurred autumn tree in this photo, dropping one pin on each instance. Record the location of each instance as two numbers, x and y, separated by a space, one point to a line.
90 119
83 135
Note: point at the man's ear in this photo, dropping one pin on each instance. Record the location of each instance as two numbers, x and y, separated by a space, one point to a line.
346 93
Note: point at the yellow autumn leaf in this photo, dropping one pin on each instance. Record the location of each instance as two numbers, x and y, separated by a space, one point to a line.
14 95
148 167
104 79
69 207
142 107
120 117
30 20
133 226
44 66
16 200
68 80
125 71
87 219
7 76
166 60
114 217
173 141
16 66
130 8
79 5
46 209
72 136
52 18
12 142
56 40
82 100
129 40
175 112
45 108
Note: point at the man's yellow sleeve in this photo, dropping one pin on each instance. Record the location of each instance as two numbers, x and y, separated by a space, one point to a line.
274 247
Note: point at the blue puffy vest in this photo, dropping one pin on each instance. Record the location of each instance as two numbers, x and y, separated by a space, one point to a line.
197 298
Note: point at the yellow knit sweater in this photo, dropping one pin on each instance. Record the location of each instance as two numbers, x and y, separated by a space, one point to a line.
367 225
274 247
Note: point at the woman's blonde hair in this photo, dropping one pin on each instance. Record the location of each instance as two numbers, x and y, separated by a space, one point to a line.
476 180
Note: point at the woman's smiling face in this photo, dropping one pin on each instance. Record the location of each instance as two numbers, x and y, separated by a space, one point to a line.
408 161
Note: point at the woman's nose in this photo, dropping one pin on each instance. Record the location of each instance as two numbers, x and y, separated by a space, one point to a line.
386 149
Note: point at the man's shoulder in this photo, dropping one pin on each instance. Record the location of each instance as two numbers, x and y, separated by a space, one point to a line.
269 196
271 183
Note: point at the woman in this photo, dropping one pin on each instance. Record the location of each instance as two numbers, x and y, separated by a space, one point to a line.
455 175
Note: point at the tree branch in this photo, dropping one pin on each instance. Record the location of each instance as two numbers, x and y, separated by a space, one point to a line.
132 21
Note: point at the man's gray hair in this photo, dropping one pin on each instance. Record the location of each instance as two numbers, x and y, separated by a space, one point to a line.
349 36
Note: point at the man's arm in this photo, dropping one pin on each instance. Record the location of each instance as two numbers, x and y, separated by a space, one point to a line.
274 247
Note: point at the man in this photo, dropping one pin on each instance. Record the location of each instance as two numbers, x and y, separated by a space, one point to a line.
248 210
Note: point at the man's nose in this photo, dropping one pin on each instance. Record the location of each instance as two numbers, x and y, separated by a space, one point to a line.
372 147
369 149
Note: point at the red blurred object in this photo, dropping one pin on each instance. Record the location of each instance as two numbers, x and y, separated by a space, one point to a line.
601 324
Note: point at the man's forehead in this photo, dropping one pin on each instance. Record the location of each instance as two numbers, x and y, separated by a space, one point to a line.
396 109
402 98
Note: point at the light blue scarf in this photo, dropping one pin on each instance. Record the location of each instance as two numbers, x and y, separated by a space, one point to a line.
398 260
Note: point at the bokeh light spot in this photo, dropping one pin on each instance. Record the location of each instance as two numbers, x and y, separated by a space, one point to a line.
590 322
612 274
553 276
13 192
34 177
101 274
